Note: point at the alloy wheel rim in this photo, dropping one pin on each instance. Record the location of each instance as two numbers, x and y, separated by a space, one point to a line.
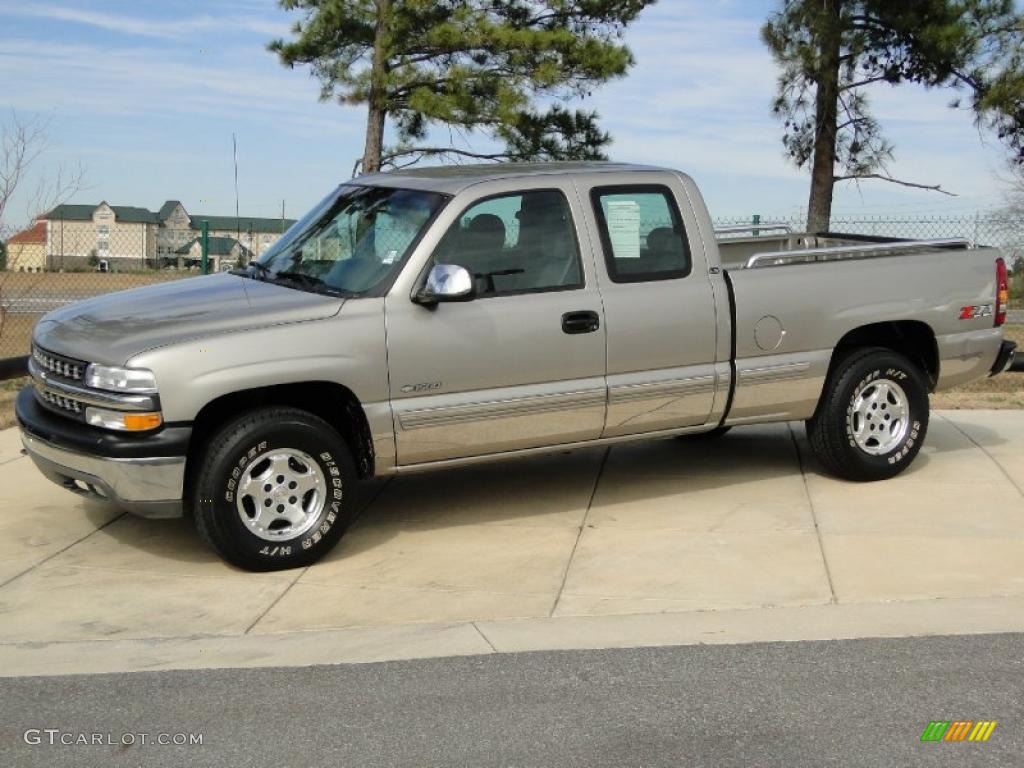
880 417
281 494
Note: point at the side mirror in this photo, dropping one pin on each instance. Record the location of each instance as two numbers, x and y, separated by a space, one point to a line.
446 282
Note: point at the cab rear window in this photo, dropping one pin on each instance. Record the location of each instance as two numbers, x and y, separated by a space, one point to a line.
642 234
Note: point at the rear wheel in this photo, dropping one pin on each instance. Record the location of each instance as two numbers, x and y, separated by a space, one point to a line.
275 490
873 416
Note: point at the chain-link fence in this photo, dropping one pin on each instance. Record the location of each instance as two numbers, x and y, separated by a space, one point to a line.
1000 230
994 229
82 253
69 258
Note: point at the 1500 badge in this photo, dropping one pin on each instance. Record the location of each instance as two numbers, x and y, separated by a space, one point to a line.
426 386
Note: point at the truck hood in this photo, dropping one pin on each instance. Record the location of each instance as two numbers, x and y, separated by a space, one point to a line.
112 328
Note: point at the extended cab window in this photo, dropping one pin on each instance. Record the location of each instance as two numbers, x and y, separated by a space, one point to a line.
518 243
642 233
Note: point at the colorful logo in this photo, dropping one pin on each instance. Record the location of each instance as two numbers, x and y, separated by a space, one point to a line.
958 730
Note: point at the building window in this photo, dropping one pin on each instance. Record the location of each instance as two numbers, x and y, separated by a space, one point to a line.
103 229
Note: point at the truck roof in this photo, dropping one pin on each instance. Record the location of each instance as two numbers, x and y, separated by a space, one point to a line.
452 179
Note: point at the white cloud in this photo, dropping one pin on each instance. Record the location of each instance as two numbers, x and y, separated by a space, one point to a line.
77 79
699 99
163 28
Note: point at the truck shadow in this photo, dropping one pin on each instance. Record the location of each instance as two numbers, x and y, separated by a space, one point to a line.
561 490
557 490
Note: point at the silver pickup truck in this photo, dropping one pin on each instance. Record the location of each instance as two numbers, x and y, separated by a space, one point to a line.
432 318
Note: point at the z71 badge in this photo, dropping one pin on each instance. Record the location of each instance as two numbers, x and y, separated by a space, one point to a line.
974 313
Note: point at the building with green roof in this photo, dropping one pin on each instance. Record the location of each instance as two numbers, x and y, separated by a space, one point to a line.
134 237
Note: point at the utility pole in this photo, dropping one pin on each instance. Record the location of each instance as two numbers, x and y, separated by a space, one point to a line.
204 243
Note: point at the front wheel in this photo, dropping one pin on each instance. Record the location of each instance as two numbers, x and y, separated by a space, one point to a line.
873 416
275 489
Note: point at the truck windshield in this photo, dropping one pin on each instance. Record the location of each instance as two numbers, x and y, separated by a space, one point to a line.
351 242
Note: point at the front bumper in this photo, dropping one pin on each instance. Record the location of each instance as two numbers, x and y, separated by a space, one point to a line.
129 473
1005 358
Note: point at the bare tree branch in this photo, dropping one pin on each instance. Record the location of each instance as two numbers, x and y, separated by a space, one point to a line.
425 151
66 182
22 141
419 153
891 180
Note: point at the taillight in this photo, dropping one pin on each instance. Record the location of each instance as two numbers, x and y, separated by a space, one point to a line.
1002 291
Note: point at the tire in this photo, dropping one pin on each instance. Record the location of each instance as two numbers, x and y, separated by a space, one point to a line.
873 416
312 483
714 434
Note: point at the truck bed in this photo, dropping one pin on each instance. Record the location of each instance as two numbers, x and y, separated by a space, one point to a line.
777 245
795 296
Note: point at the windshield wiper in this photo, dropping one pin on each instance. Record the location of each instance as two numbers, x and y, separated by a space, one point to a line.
315 284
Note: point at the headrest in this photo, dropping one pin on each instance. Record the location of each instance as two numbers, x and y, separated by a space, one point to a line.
662 240
487 231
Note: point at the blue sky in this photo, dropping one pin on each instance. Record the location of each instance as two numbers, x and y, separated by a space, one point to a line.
146 96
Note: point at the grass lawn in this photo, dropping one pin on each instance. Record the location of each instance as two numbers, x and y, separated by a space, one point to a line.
1005 392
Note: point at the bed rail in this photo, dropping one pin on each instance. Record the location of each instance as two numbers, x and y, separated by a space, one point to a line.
785 228
850 252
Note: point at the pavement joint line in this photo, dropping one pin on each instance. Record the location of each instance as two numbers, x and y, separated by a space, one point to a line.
814 513
353 646
50 557
447 590
106 640
485 637
14 458
277 600
984 450
242 576
754 609
579 533
303 571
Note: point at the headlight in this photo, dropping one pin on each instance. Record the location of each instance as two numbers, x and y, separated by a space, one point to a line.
120 379
124 421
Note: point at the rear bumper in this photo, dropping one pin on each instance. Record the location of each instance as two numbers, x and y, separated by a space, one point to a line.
106 467
1005 358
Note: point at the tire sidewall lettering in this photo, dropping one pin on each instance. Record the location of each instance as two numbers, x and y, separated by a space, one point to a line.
906 447
331 515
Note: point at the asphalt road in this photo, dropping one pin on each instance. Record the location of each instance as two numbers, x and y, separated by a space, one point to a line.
844 703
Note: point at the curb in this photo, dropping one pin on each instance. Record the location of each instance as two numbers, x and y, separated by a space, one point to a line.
955 616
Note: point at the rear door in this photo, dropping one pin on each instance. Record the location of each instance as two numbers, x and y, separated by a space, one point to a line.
523 364
659 305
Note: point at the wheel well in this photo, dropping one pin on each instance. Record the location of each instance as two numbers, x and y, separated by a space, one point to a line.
334 403
910 338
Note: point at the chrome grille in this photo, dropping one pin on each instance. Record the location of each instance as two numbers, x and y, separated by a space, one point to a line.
64 403
58 365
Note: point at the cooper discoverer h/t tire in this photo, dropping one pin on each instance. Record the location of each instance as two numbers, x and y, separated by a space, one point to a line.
873 416
276 489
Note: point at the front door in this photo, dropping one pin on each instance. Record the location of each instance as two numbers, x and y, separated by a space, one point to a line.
523 364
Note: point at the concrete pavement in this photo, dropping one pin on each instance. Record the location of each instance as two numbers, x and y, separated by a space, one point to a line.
648 544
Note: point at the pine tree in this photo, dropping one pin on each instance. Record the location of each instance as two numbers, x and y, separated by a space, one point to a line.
498 67
831 51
